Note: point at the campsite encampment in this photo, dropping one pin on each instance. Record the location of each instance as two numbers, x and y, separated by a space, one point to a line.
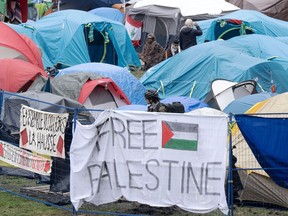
119 152
191 76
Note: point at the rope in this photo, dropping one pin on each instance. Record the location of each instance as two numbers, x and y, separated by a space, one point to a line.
192 89
260 87
162 86
106 40
91 32
28 26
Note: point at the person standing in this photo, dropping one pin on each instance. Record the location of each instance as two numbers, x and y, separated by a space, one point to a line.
152 52
188 34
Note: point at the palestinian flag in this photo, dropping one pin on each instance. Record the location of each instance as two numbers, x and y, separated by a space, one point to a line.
181 136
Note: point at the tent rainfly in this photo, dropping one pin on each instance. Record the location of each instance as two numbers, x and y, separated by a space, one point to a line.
223 92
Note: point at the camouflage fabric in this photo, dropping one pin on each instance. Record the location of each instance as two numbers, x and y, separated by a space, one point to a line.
157 107
152 54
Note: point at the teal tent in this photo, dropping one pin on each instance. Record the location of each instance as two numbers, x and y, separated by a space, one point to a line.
72 37
191 72
261 46
259 22
227 28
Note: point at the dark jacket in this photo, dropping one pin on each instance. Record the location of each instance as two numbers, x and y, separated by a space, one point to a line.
188 35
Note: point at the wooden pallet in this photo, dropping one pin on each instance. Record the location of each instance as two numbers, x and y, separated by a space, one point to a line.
43 192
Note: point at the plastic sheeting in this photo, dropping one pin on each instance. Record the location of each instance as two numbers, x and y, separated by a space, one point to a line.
267 138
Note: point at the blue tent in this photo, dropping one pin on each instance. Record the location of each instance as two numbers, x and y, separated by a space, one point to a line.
260 23
189 103
133 107
267 138
283 39
128 83
241 105
190 72
109 13
72 37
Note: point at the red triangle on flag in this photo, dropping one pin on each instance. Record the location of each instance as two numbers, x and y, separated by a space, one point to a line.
167 134
60 145
24 137
1 150
47 166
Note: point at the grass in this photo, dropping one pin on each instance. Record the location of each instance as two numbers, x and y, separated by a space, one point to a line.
12 204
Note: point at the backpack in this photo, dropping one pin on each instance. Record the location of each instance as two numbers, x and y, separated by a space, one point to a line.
175 107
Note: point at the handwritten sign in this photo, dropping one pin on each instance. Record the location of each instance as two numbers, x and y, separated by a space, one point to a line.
23 159
43 132
156 159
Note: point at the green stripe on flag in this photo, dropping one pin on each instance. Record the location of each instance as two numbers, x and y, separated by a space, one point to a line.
181 144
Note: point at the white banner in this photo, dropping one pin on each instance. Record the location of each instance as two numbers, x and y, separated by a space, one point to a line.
42 132
159 159
23 159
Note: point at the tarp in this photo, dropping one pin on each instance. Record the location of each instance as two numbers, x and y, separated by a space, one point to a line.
128 83
182 76
188 102
72 37
274 8
17 75
267 139
258 186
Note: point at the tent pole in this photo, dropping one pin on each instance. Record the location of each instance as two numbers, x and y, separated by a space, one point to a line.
58 5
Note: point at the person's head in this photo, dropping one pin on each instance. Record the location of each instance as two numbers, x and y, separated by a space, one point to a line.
150 38
189 23
151 95
175 43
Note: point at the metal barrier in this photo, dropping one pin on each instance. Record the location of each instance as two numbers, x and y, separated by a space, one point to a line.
248 184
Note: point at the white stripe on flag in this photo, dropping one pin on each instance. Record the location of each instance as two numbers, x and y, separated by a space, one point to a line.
185 135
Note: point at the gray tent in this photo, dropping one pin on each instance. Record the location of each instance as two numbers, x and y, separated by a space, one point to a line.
164 18
274 8
162 21
50 103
